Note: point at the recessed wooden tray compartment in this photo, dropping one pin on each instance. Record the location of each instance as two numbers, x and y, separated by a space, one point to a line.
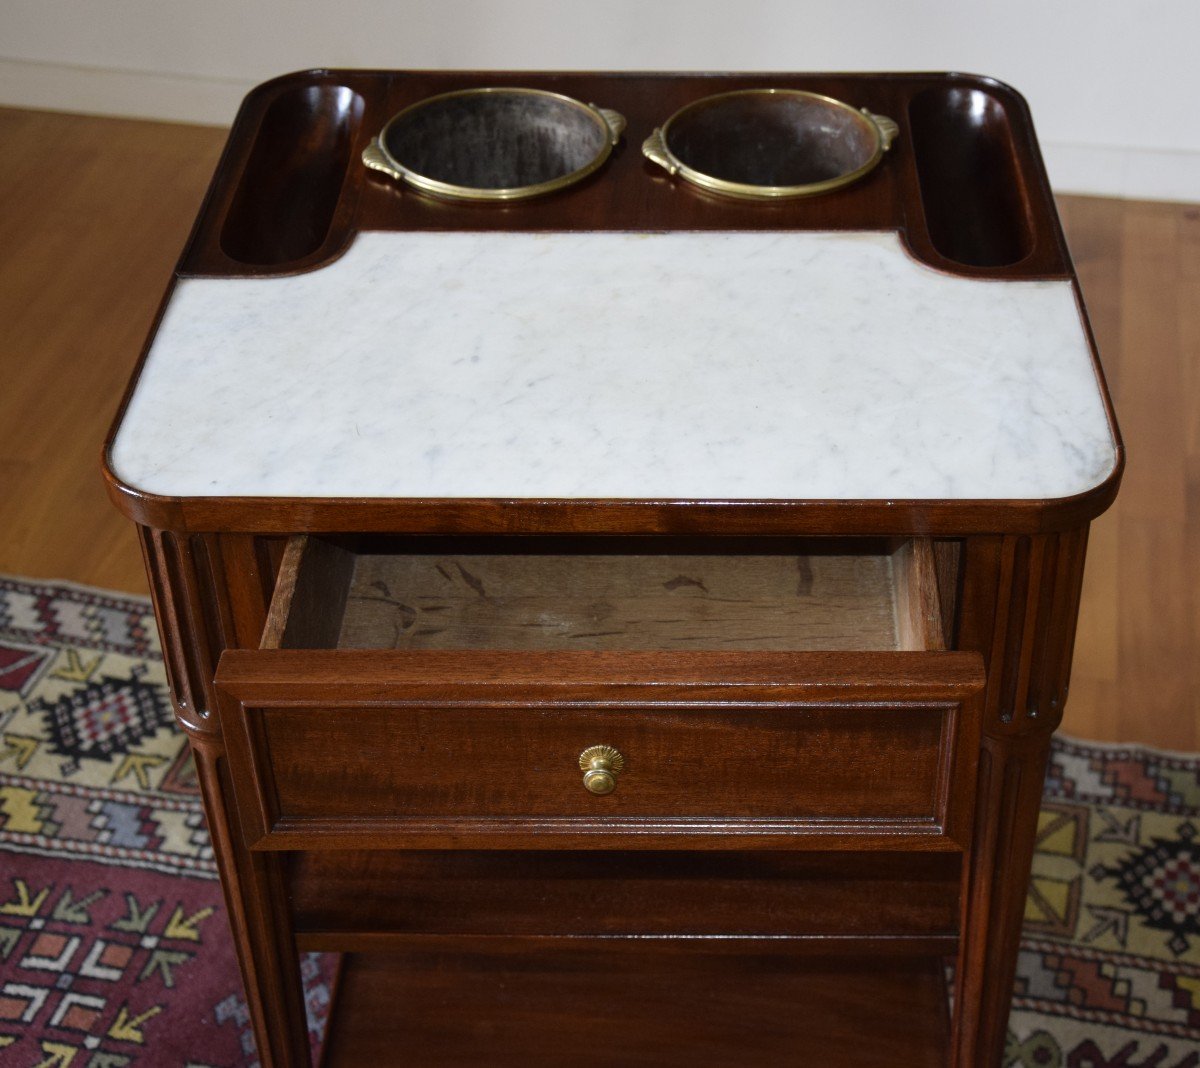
285 201
633 1004
963 179
972 189
901 903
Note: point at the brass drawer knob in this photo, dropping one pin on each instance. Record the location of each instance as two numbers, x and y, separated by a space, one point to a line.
601 764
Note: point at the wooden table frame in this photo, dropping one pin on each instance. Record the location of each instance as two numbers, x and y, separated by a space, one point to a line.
1009 572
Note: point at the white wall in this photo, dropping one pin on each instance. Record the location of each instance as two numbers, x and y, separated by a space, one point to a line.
1113 85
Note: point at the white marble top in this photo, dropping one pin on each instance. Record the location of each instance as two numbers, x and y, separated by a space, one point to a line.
647 366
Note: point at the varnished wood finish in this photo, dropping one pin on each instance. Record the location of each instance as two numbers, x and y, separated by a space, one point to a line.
332 515
284 204
972 188
193 633
92 216
628 193
1020 605
455 749
395 895
260 924
1137 670
636 1005
200 609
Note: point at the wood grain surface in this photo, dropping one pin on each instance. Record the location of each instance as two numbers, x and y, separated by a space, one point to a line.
549 894
461 749
93 213
853 596
1137 661
644 1008
292 192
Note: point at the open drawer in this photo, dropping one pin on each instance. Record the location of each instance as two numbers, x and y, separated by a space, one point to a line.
516 694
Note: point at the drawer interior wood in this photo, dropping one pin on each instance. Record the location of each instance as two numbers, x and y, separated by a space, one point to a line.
607 594
397 897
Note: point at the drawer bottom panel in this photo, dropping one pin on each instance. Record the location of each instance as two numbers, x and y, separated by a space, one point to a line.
637 1005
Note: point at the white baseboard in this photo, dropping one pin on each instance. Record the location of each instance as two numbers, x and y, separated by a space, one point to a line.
1134 173
129 94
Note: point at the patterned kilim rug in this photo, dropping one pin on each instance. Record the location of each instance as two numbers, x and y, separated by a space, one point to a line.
1109 973
114 948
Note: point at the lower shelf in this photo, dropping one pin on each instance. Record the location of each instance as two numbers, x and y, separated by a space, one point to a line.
632 1004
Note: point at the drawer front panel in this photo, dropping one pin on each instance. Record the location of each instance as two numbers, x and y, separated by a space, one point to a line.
843 762
823 753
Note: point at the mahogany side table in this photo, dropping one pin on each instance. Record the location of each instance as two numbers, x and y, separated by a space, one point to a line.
627 624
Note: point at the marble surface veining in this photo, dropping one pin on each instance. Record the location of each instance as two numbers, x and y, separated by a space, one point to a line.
672 365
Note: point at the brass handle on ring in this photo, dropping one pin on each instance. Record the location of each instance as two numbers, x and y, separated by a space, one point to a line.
601 764
615 122
888 128
654 148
